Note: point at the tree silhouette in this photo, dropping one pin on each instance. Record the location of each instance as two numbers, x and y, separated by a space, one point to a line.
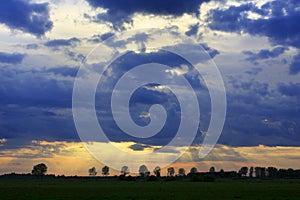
181 172
272 171
125 170
260 171
171 171
93 171
193 170
156 171
212 169
251 172
243 171
105 170
39 170
143 170
222 173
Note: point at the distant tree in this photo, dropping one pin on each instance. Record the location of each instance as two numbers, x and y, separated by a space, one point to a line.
290 172
181 172
193 170
251 172
143 170
39 170
105 170
222 173
272 171
156 171
92 171
125 170
260 171
212 169
171 171
283 173
243 171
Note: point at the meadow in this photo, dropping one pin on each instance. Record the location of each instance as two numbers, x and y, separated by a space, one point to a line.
141 189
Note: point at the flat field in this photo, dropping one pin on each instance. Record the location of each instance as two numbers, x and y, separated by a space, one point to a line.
140 189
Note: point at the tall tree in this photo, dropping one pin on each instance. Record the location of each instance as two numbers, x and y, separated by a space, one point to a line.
171 171
125 170
181 172
105 170
193 170
92 171
272 171
251 172
40 169
243 171
156 171
143 170
212 169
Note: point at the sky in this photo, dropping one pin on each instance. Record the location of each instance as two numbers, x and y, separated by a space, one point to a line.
68 64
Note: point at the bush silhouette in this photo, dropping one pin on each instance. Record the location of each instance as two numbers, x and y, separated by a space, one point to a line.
170 178
130 178
152 178
196 178
122 177
209 178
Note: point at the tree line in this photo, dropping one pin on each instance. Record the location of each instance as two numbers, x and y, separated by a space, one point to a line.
252 172
259 172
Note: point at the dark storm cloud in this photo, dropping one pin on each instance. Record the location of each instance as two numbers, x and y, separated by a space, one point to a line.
35 105
34 88
144 97
62 42
11 58
28 17
258 114
265 54
120 11
22 124
279 21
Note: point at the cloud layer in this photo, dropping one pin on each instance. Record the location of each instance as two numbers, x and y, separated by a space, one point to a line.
25 16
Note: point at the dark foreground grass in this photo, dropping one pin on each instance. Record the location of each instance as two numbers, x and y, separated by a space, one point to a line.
140 189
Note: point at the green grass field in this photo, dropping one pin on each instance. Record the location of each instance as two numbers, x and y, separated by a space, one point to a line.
140 189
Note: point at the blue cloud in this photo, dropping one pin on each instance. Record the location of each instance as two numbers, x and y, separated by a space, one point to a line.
62 42
28 17
34 89
193 30
295 65
22 124
144 97
120 11
63 71
14 58
254 71
139 147
35 105
257 114
292 89
100 38
279 21
32 46
212 52
265 54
